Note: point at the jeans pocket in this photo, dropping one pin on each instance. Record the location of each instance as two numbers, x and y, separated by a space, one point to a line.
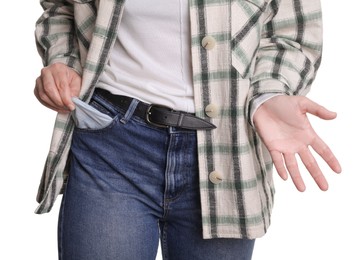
88 117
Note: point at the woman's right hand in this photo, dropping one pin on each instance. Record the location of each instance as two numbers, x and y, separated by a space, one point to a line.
56 86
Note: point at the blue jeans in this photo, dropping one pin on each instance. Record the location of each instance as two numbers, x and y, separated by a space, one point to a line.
130 185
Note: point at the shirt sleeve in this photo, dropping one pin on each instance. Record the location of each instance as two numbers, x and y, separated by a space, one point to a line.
258 101
55 34
290 50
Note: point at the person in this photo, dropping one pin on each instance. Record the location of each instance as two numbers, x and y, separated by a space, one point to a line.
171 115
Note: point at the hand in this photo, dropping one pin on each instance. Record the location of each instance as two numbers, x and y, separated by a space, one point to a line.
282 124
55 87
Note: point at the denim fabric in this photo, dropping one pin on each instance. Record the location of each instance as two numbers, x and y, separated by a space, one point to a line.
131 185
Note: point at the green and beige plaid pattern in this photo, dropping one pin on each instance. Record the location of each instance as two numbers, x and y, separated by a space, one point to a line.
262 46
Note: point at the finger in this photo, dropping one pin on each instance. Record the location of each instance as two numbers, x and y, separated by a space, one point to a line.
325 152
62 79
43 99
279 164
42 96
50 90
75 81
313 168
292 166
69 88
313 108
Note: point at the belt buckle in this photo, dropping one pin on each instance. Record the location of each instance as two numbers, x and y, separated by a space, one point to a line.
149 112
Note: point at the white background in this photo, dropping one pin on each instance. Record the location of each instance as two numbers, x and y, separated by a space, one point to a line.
313 225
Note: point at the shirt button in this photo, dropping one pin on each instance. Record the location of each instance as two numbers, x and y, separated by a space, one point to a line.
211 110
208 42
215 177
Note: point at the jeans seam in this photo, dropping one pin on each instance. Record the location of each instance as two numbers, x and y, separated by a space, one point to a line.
103 102
60 226
132 107
164 242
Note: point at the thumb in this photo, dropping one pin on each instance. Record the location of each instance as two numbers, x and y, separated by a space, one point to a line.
74 83
65 92
313 108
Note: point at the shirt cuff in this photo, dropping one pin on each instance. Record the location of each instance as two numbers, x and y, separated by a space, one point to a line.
257 102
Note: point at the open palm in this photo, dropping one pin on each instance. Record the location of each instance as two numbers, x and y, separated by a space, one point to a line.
282 124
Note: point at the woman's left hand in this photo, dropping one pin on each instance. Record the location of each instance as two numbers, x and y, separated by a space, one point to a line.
282 124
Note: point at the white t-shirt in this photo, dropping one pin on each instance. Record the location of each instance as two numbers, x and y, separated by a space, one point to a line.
151 59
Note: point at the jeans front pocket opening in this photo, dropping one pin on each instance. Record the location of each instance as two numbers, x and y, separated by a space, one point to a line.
88 117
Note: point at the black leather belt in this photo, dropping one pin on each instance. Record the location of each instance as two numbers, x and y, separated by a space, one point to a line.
158 115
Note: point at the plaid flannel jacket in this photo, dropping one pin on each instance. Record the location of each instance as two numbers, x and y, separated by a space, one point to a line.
240 50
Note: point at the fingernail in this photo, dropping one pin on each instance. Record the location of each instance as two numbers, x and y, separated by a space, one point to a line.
71 107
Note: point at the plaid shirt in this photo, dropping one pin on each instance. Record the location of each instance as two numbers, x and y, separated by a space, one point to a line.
241 49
